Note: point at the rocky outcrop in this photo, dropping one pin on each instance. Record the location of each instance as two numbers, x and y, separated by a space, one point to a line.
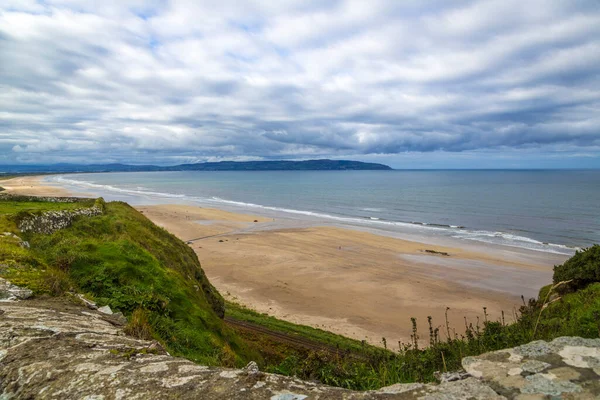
57 349
567 367
10 292
53 349
51 221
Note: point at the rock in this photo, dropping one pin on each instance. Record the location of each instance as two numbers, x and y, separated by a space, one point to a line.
54 349
10 292
451 376
105 310
89 304
24 244
252 368
51 221
441 253
469 388
119 318
564 368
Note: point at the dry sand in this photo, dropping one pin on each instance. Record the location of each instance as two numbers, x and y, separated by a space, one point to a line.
358 284
353 283
32 186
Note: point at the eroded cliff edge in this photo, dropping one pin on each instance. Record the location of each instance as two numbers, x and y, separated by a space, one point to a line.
53 348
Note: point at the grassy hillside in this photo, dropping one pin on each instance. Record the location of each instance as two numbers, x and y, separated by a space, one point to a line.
123 260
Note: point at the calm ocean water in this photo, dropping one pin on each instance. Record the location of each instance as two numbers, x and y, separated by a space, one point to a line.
554 211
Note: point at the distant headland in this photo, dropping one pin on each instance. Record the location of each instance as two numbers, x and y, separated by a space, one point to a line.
281 165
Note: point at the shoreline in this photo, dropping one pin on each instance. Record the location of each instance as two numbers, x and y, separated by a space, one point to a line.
349 281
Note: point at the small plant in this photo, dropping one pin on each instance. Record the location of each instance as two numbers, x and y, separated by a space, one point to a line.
56 281
138 325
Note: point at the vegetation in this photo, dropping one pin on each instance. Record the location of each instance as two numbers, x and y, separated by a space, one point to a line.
342 343
123 260
11 207
580 270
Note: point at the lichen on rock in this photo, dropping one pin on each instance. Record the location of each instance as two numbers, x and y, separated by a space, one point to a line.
566 366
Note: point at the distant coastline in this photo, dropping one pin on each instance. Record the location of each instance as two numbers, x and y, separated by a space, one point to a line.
281 165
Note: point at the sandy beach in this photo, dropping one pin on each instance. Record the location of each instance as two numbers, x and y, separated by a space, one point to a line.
358 284
31 186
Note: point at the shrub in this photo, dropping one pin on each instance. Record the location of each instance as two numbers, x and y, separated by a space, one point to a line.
581 270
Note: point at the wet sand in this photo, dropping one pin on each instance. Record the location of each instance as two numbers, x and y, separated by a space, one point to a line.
359 284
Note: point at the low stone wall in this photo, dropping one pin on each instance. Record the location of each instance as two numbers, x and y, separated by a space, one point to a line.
51 221
54 349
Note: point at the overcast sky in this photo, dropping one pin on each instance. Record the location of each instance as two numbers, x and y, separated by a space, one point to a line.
411 83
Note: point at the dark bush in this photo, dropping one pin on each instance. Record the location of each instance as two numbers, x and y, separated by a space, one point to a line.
582 269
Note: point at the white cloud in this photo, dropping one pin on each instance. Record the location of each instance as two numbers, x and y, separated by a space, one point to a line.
163 81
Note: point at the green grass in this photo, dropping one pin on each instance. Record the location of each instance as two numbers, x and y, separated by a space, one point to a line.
14 207
123 260
4 177
242 313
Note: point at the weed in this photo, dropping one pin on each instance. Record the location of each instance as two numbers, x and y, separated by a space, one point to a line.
138 325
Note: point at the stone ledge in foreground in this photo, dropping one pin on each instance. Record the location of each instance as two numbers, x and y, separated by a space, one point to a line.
53 349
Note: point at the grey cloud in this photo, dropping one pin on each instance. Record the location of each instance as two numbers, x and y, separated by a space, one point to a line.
163 81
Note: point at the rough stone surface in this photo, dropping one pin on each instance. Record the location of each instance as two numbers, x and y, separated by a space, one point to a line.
55 349
451 376
10 292
252 368
105 310
565 368
51 221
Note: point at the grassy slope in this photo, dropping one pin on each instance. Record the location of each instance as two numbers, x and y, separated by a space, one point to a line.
317 335
123 260
9 207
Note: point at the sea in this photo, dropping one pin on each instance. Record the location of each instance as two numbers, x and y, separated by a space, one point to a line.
555 211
